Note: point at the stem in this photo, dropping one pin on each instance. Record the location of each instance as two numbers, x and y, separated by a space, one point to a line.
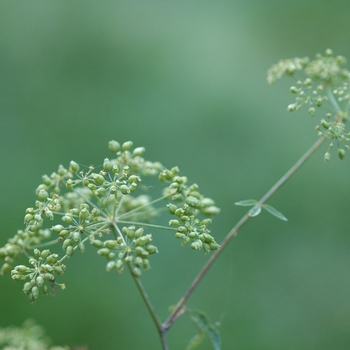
177 310
152 311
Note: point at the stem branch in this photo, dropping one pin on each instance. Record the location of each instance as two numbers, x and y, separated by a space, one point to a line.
177 310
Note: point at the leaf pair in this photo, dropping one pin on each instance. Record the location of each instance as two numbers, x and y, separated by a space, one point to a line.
256 210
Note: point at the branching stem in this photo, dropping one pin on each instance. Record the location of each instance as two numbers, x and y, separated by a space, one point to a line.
177 310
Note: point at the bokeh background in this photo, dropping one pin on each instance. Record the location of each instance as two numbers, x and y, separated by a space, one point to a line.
187 80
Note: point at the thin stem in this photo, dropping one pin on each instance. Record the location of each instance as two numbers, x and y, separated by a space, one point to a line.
152 311
177 310
146 225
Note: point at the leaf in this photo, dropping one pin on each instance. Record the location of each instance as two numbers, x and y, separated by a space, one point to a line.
274 212
247 202
203 323
255 211
195 341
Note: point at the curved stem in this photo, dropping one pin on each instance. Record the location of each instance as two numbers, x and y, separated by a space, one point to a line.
177 310
152 311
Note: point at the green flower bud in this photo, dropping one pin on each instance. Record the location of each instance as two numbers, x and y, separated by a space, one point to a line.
193 234
21 268
49 214
138 261
61 170
27 287
327 157
57 228
179 235
197 244
182 229
67 218
127 145
110 265
39 281
76 236
110 244
66 243
341 153
46 180
43 195
312 111
134 179
113 189
171 208
128 259
174 223
45 290
206 247
81 247
212 210
28 218
58 269
138 151
325 124
98 179
206 222
113 146
136 272
124 189
214 246
37 253
103 251
186 240
142 241
48 276
291 107
73 166
45 253
74 211
146 264
111 256
5 268
52 259
119 265
84 214
69 251
141 252
151 249
64 233
139 232
107 165
35 292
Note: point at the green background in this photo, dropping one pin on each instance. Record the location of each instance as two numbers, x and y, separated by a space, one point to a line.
187 80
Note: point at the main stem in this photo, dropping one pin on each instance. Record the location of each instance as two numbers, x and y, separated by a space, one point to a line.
177 310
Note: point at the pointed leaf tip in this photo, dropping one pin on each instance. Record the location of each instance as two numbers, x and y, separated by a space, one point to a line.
247 202
274 212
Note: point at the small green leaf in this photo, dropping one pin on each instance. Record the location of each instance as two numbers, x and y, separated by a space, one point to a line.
195 341
255 211
247 202
274 212
204 325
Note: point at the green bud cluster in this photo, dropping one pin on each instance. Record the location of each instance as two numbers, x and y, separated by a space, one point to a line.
131 248
44 267
104 207
326 82
192 211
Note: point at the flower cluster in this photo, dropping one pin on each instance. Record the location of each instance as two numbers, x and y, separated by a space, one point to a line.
105 208
326 81
186 205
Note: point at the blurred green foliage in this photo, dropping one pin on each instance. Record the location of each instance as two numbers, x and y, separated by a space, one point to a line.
187 80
